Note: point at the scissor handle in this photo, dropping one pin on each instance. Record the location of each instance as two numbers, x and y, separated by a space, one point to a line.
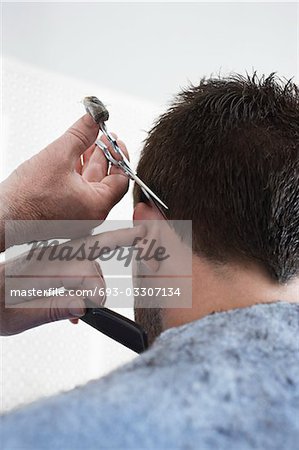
114 144
120 163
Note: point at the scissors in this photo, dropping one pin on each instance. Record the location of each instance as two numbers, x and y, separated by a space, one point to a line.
112 324
100 114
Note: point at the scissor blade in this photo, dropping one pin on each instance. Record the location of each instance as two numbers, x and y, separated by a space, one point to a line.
147 189
155 203
125 164
113 142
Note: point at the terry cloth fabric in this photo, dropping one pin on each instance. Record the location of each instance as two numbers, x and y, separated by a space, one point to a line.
227 381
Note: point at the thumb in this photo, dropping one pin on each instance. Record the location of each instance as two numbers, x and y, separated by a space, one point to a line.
80 136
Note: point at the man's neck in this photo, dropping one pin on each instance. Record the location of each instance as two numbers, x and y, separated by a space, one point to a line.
230 286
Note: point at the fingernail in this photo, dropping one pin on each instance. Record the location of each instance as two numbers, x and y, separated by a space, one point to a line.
89 121
76 308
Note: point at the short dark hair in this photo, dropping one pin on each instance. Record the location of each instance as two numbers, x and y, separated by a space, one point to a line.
226 155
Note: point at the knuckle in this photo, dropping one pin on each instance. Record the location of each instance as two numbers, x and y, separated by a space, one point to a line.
98 269
53 312
80 138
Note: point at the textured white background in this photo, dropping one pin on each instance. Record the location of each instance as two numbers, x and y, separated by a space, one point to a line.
133 57
59 356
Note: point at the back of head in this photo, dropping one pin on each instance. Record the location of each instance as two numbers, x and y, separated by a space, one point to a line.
226 156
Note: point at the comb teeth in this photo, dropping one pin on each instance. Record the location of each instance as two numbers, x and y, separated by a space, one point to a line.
96 109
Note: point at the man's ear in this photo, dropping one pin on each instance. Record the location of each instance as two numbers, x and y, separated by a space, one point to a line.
146 211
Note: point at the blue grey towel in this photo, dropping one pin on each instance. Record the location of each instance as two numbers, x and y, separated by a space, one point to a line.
227 381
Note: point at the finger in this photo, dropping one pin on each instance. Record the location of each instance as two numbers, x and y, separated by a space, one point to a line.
120 143
88 153
116 184
47 273
38 312
79 165
106 141
97 166
80 136
36 277
111 190
113 134
74 321
83 159
92 286
110 240
117 170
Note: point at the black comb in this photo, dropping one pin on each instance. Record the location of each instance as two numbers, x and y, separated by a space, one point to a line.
117 327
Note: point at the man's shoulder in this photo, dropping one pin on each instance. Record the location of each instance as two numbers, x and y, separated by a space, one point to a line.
229 380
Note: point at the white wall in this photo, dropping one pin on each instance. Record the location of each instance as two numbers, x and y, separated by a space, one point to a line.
134 57
150 49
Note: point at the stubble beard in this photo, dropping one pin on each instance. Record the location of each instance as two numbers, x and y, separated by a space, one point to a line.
149 318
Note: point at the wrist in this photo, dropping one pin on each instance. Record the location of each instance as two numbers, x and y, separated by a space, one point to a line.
19 221
9 211
4 212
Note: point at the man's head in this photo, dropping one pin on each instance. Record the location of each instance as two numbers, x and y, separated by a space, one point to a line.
226 156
